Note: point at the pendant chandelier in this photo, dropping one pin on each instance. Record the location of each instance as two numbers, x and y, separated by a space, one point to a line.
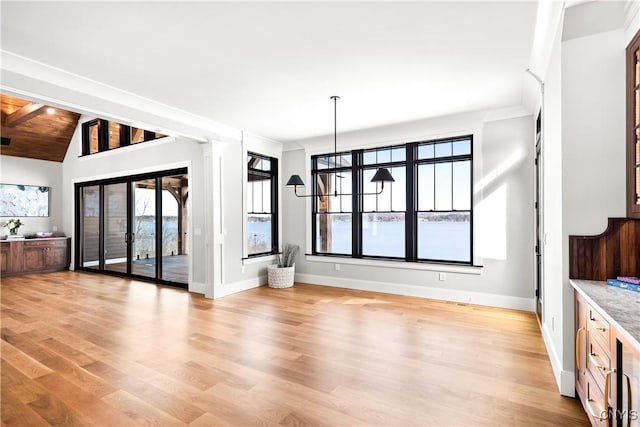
381 176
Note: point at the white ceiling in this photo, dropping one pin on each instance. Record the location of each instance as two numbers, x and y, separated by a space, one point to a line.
270 68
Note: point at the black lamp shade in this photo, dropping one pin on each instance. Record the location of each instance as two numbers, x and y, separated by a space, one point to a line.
296 180
382 175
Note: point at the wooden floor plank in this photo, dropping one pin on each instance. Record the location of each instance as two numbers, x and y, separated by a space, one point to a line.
86 349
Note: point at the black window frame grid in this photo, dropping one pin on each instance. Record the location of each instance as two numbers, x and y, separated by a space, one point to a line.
272 173
104 136
411 212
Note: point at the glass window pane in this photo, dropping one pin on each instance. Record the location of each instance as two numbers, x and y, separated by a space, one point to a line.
114 135
144 244
327 184
384 156
250 207
333 233
443 186
383 234
115 226
137 135
344 160
426 151
399 154
443 149
398 189
369 203
462 185
90 227
322 162
444 236
259 233
265 165
461 147
175 256
93 138
426 188
369 158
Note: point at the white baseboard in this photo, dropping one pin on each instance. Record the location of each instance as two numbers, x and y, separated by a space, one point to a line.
197 287
232 288
565 380
455 295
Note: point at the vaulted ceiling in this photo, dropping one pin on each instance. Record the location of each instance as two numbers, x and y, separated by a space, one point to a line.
35 130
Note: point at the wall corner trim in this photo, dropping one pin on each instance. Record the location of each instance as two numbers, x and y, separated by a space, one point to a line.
197 287
235 287
565 380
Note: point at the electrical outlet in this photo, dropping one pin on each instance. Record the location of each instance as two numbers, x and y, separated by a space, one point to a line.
442 277
337 266
553 323
54 228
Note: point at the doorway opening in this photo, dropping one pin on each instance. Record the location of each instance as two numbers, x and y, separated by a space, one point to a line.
135 226
539 237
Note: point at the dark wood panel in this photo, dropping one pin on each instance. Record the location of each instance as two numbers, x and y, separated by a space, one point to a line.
36 134
616 252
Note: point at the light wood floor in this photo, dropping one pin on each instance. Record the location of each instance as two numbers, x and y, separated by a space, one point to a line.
84 349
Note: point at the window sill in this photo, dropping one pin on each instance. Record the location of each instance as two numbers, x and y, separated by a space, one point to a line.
258 259
446 268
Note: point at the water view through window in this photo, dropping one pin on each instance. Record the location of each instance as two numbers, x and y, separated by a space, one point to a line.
425 214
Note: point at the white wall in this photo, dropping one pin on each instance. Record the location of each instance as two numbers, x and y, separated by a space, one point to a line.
216 182
553 315
237 273
19 170
503 170
583 168
166 153
593 147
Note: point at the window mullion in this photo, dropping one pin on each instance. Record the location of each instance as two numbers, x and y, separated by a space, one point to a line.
411 224
356 203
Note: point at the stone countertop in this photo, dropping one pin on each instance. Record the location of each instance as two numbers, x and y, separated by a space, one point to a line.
30 239
620 306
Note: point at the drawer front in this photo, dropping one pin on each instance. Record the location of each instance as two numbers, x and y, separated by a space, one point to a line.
598 328
598 361
45 243
595 404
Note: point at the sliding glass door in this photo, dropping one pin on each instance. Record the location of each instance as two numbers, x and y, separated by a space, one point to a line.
144 261
88 209
135 226
115 227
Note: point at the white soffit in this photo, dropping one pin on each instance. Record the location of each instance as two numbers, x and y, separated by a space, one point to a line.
269 68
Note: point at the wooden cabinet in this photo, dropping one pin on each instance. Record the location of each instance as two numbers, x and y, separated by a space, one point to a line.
34 256
607 368
4 258
627 383
633 127
593 361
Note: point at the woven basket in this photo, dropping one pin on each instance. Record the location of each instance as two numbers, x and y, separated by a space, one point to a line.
280 277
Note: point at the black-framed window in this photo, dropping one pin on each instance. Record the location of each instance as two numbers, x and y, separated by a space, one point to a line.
425 215
262 204
102 135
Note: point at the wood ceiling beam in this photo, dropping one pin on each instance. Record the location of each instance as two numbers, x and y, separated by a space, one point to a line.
25 113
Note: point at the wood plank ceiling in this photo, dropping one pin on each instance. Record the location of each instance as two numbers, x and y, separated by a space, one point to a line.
36 131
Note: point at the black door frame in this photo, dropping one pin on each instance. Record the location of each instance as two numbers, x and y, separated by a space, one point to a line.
128 179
